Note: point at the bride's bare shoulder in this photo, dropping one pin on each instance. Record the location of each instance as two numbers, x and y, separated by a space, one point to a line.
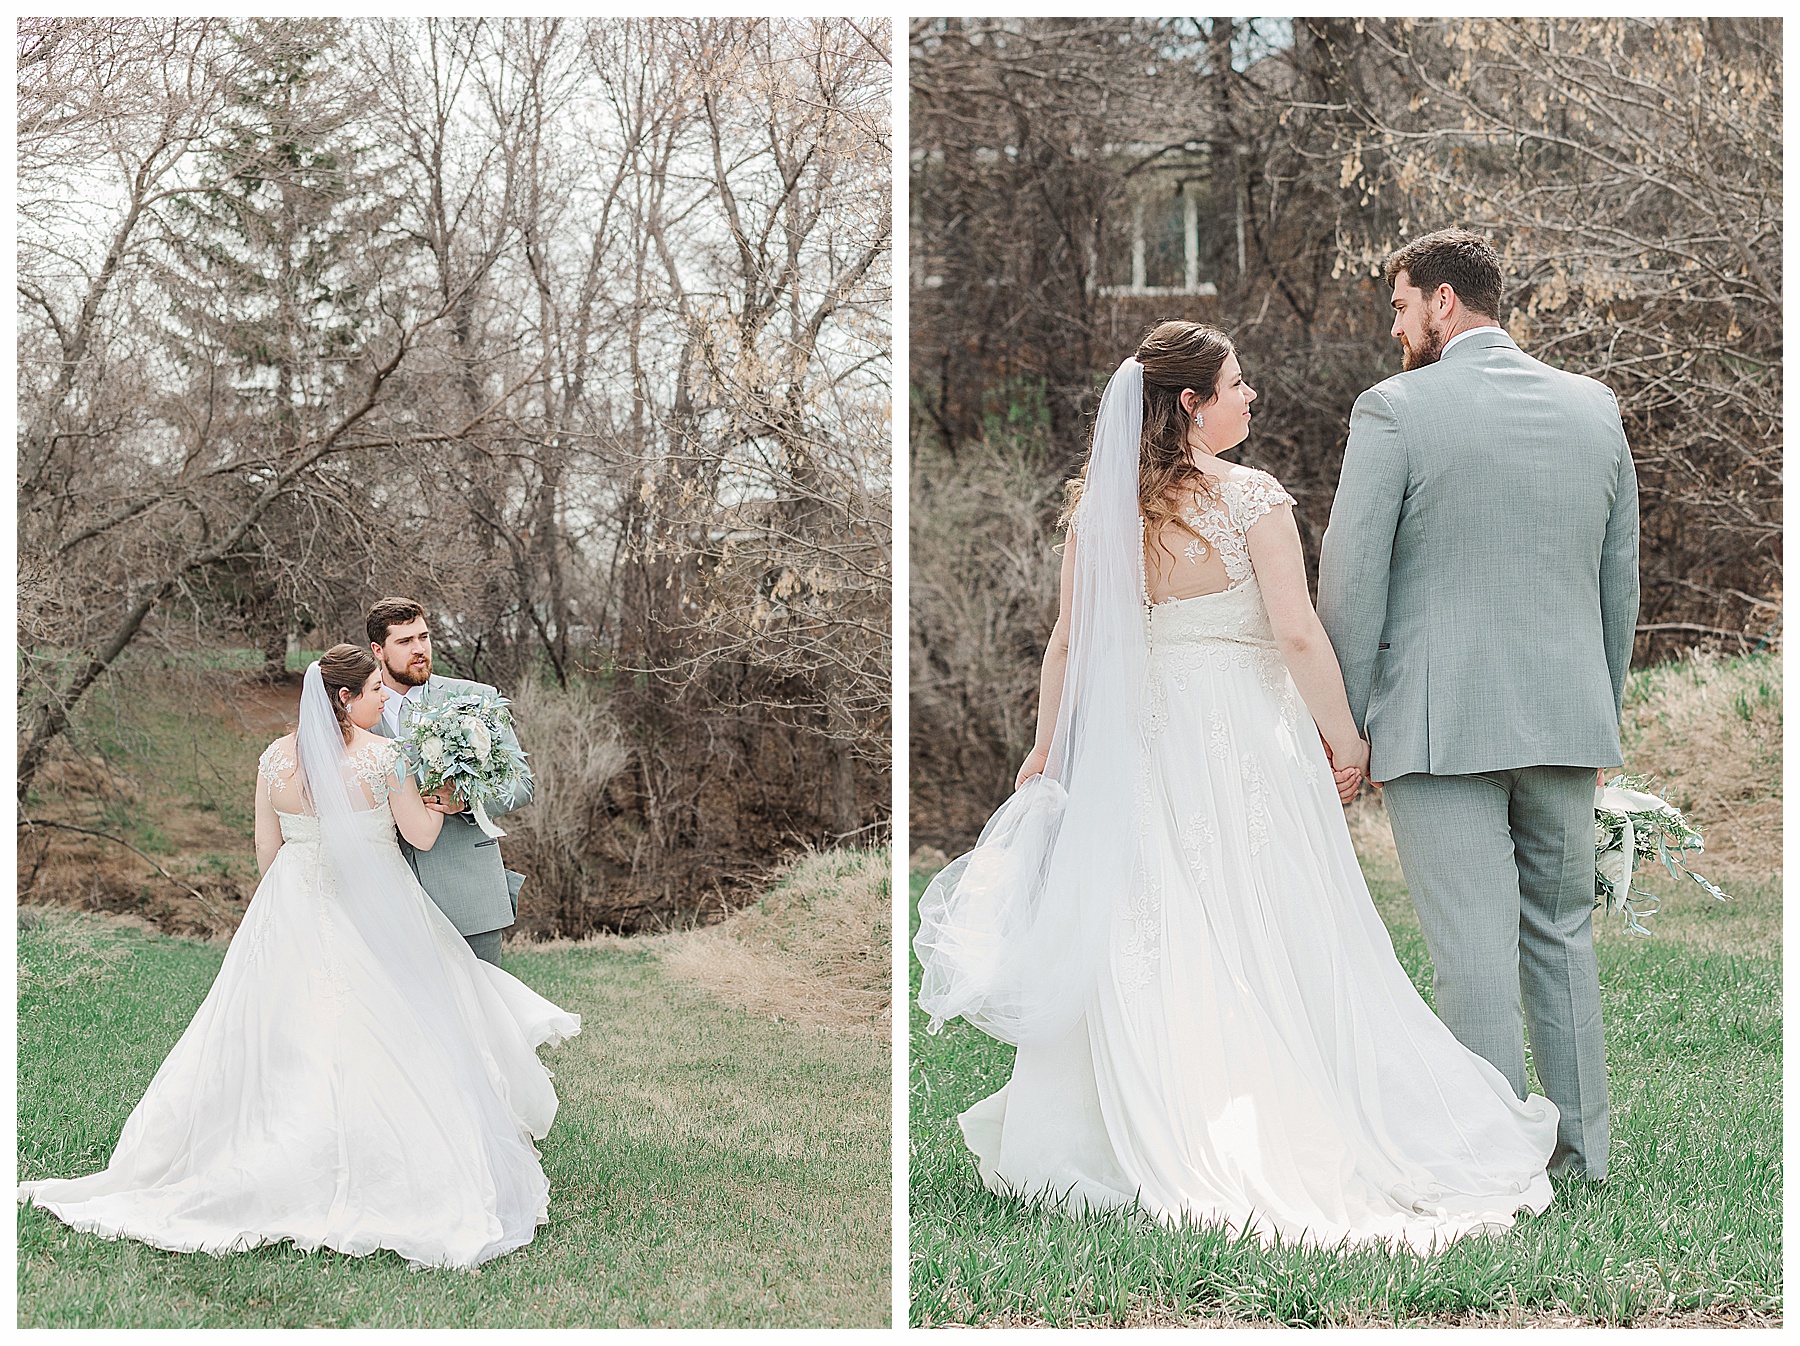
1240 475
363 742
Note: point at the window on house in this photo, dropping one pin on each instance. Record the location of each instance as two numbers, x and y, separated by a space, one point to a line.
1167 239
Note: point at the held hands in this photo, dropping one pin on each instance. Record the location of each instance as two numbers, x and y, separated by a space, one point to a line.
1035 762
1349 766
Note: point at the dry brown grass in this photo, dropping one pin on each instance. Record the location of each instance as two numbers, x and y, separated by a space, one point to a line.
163 761
576 754
1707 729
814 951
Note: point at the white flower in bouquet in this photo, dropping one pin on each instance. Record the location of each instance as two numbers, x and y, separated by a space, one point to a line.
1629 823
433 752
479 738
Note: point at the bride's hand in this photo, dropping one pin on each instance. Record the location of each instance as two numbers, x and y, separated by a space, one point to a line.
1349 767
1352 754
1348 780
1035 762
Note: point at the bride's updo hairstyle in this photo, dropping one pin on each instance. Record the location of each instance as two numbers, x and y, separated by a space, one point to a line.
344 666
1176 356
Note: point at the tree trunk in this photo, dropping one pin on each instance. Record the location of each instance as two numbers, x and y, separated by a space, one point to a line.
846 817
275 649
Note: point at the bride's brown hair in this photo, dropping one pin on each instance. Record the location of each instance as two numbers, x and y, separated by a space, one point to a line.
344 666
1176 356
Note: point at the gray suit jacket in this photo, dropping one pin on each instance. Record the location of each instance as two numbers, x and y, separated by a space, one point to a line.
1479 576
462 872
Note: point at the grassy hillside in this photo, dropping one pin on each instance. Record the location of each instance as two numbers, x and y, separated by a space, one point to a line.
158 775
816 950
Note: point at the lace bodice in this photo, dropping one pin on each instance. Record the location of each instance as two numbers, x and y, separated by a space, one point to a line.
375 766
1234 612
1226 517
302 829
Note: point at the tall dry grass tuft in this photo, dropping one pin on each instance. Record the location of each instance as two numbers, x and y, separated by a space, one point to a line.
73 947
814 950
1706 729
984 581
575 750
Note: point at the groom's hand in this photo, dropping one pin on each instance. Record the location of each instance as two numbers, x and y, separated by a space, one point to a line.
444 800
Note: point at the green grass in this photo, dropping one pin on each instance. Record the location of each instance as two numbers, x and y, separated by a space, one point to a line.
707 1167
166 729
1689 1218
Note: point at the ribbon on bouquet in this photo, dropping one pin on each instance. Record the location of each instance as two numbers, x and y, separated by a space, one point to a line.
1617 861
483 821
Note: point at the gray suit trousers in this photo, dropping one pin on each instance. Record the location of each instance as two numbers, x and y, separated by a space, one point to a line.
1501 869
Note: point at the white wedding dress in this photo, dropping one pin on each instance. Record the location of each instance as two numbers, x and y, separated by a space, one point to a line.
1251 1049
336 1090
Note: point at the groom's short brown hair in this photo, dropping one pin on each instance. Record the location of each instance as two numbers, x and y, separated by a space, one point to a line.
1463 260
391 612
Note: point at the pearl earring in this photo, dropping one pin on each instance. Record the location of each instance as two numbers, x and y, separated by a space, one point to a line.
1199 420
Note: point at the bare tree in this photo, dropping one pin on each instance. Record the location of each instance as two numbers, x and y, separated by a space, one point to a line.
1630 170
576 328
776 476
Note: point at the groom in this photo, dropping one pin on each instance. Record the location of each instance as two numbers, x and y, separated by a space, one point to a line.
462 872
1479 582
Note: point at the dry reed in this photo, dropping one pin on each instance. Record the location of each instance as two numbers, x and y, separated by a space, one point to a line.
813 951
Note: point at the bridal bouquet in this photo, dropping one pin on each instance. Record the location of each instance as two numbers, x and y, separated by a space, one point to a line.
461 742
1630 823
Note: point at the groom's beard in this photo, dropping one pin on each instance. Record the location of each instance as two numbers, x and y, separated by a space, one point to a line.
416 673
1413 357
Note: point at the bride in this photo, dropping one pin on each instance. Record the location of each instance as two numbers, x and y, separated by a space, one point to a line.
1167 917
355 1079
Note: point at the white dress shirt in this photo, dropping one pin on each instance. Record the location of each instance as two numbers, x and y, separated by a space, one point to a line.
391 711
1485 327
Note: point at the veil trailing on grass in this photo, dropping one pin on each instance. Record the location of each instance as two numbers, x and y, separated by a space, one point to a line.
1010 935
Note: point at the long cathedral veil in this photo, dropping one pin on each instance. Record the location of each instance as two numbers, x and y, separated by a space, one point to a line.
372 885
1011 934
